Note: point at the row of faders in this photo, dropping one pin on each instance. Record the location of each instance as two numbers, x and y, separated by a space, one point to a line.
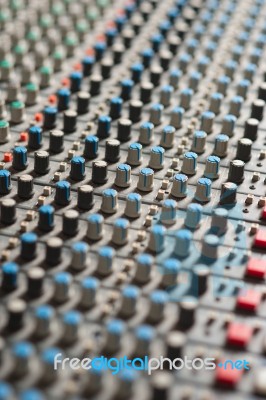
132 184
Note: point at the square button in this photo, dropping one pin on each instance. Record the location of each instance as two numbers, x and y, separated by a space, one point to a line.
256 268
228 376
248 299
239 334
260 239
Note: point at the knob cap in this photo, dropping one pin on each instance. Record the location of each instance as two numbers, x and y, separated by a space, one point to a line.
179 188
203 190
189 166
145 182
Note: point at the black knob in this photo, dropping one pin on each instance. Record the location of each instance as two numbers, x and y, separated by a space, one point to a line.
85 197
99 172
257 109
112 150
146 89
8 211
83 102
25 186
175 342
236 171
70 121
187 310
135 110
106 67
124 130
228 193
54 247
35 277
56 141
244 147
95 84
41 162
155 74
251 129
199 280
70 222
16 310
262 91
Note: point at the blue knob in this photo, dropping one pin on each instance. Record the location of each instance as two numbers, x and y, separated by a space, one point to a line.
215 103
79 255
35 137
63 96
22 350
136 72
77 171
120 21
193 216
156 113
177 114
250 71
242 88
89 288
5 181
183 241
194 80
116 107
99 48
169 210
212 167
130 296
158 300
48 357
171 266
184 61
179 188
62 193
203 190
186 97
71 321
105 260
175 75
146 133
31 394
6 392
172 14
62 282
143 269
110 35
91 147
115 329
20 160
147 56
144 332
28 245
134 156
133 205
46 218
87 64
156 41
10 274
223 83
235 105
164 27
156 240
43 315
75 81
126 89
104 126
49 117
229 123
